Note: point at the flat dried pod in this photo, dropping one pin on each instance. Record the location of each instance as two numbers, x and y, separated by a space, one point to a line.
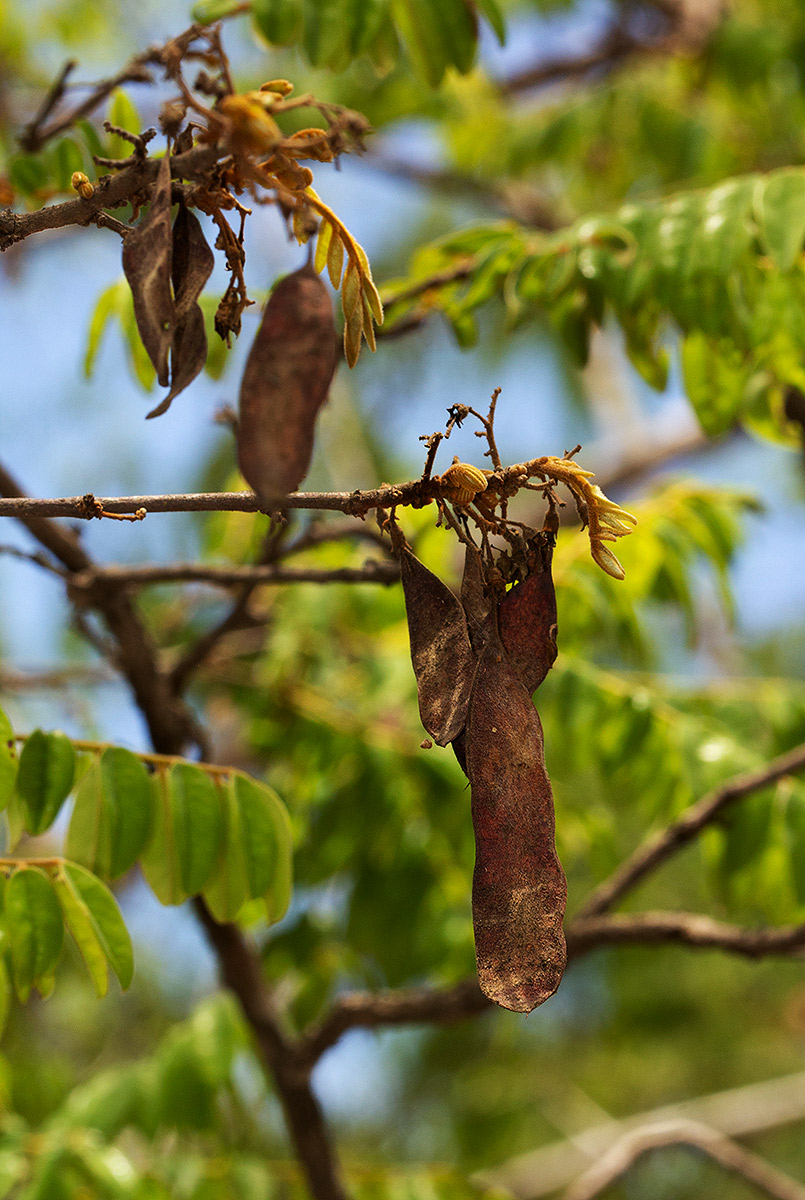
191 266
286 381
475 602
527 617
440 648
147 267
518 889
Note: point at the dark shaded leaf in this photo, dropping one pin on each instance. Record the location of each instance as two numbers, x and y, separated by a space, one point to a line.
285 383
440 649
147 267
527 617
191 266
518 889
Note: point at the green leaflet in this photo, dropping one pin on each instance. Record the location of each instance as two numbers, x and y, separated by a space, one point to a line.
5 1005
112 815
160 861
34 927
107 306
780 209
188 833
213 10
44 778
228 889
8 760
438 34
795 830
198 825
257 858
93 918
715 380
266 831
279 21
122 113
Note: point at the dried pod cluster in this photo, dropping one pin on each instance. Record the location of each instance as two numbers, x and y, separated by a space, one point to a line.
477 660
166 268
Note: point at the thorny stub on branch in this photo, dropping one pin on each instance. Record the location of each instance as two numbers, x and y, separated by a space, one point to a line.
477 660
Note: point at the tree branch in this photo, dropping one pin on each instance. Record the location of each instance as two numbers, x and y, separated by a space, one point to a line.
372 571
240 972
660 846
638 1142
111 191
368 1010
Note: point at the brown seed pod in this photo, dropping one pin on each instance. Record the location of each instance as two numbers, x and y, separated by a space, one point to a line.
192 262
527 617
440 648
286 381
519 889
147 267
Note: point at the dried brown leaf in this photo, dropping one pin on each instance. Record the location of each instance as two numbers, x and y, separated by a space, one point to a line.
440 649
519 890
286 380
147 267
191 267
527 617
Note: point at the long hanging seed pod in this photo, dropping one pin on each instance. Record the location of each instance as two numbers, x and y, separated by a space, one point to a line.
287 377
519 889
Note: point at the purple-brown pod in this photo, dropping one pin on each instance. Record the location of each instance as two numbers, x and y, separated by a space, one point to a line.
441 654
192 262
527 617
287 377
147 266
518 889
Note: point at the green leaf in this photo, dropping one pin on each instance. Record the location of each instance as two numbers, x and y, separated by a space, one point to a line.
5 1002
438 34
112 815
199 825
45 777
122 113
27 174
93 918
66 158
160 861
279 21
747 827
795 828
491 10
8 760
266 832
228 889
107 305
213 10
715 377
34 926
780 209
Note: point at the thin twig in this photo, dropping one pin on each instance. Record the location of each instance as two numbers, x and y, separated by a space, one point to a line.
657 848
622 1156
231 576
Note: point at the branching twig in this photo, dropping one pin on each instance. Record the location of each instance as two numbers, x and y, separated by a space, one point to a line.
660 846
638 1142
416 1005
